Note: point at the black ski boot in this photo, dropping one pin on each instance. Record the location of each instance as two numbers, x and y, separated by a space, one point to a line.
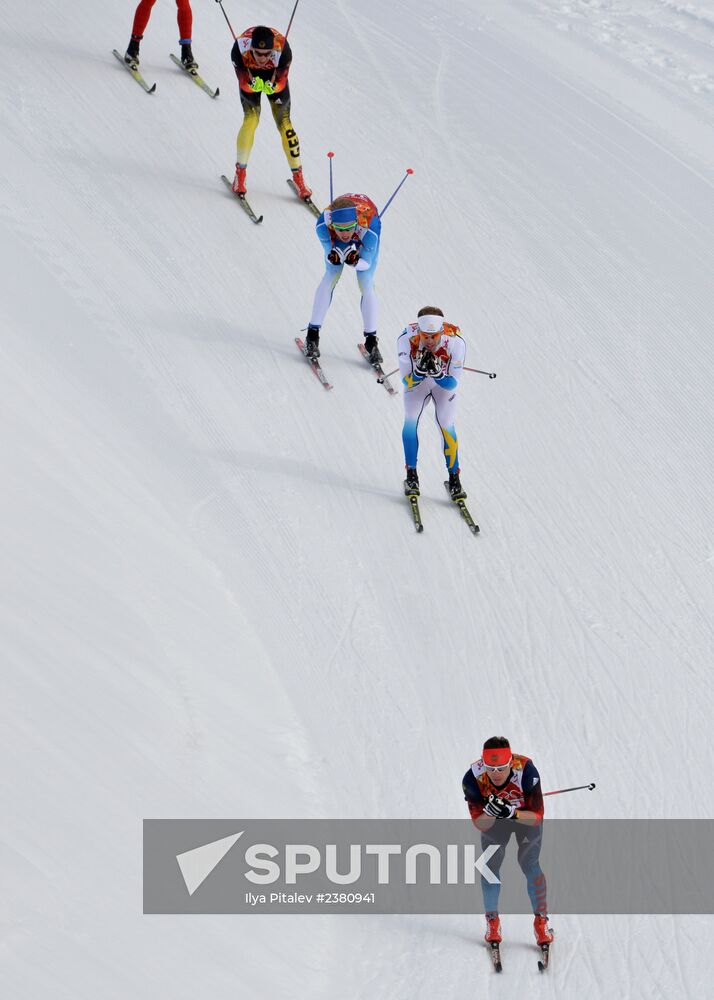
312 342
187 60
455 488
411 483
131 58
370 346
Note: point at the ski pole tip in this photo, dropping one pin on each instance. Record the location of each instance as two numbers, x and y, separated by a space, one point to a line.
493 375
409 170
591 786
330 154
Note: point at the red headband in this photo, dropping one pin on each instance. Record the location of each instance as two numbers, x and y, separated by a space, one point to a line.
496 756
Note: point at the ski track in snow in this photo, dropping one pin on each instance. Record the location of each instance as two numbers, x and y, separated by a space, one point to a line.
218 605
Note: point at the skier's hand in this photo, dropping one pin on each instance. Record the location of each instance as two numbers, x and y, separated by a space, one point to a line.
498 807
268 88
427 364
352 257
334 257
257 85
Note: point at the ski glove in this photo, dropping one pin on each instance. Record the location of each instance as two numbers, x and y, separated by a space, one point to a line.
428 364
268 88
499 808
257 85
334 257
352 257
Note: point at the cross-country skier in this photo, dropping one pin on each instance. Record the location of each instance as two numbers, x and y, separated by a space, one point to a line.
261 58
349 231
141 19
431 356
504 796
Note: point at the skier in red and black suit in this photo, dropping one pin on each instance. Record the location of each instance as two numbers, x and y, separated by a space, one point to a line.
185 24
261 58
504 796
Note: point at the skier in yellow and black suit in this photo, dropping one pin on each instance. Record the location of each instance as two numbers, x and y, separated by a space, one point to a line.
262 58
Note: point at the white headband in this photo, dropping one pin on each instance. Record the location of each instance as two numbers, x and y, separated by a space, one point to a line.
431 323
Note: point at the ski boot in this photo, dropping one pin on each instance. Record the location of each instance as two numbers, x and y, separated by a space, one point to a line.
493 929
312 342
370 345
187 60
455 488
131 57
411 483
302 189
239 187
543 933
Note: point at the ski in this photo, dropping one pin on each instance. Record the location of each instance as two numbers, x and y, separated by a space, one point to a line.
198 80
413 499
545 957
464 511
132 68
495 952
314 364
378 371
243 202
306 201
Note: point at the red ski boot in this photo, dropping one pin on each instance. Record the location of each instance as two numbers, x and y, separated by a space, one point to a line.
302 189
493 929
239 179
543 933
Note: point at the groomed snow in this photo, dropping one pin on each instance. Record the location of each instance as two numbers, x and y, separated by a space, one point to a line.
214 601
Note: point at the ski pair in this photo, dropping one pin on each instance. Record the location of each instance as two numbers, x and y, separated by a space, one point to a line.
412 497
133 69
494 949
248 209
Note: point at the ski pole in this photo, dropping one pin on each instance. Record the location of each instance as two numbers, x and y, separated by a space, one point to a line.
235 37
409 171
479 372
331 195
490 375
290 23
576 789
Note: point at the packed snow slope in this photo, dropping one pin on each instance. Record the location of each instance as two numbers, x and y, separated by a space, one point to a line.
214 601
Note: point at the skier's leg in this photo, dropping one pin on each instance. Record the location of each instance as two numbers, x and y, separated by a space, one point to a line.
185 20
323 294
280 107
529 844
492 892
246 135
141 18
414 403
445 412
368 303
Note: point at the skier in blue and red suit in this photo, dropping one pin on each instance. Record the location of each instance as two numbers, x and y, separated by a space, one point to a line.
504 797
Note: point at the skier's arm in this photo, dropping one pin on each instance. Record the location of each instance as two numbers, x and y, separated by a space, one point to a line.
532 813
283 68
239 66
408 375
323 234
451 360
368 250
474 798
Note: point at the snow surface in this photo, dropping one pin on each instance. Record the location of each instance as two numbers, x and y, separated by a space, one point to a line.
214 602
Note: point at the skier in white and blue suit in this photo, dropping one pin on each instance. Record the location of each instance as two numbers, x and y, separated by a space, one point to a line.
349 231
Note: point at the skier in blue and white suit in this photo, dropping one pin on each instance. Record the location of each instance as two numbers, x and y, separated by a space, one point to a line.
349 231
431 357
